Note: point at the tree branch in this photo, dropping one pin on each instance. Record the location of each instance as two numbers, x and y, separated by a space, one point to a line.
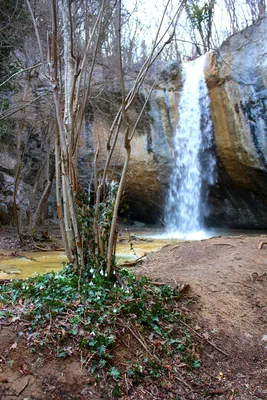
20 72
36 33
24 106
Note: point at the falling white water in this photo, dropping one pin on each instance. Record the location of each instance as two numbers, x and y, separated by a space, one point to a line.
194 162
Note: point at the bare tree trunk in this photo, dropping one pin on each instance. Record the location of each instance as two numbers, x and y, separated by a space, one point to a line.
261 7
230 6
59 200
19 165
33 196
127 101
127 147
42 203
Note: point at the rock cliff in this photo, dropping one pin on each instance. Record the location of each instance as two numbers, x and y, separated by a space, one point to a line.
236 76
151 157
237 80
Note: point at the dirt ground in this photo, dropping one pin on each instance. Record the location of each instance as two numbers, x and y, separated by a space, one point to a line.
227 305
228 285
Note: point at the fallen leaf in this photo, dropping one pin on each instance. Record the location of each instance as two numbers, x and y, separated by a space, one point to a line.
206 335
168 386
167 366
157 343
14 346
183 365
178 360
19 385
24 370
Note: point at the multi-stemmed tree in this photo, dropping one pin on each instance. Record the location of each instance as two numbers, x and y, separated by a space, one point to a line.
73 47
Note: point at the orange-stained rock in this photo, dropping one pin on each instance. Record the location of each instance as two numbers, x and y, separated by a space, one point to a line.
236 77
237 80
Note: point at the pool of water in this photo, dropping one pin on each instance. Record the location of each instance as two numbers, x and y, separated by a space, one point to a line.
134 250
29 264
161 234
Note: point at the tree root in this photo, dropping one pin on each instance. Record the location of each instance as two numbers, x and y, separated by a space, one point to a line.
132 263
260 246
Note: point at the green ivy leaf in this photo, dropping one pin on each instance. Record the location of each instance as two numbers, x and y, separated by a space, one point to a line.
115 373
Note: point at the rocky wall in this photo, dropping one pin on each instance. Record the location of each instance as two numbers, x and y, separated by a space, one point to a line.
236 75
151 155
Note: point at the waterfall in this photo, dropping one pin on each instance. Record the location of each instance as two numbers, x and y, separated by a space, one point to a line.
194 162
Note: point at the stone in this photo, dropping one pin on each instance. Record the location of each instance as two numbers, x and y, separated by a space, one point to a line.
7 269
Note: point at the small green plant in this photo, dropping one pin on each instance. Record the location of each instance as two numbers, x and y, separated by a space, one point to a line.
95 245
90 316
115 373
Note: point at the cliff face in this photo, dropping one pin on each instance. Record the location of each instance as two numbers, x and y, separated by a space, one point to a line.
237 80
32 152
151 156
236 76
